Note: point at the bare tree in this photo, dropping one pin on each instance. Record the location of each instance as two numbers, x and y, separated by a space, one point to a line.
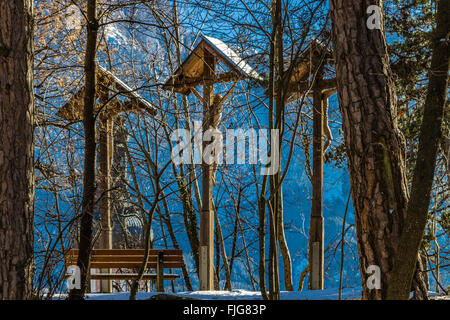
87 213
430 136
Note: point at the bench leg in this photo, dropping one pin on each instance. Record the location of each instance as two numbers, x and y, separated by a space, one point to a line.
105 285
160 272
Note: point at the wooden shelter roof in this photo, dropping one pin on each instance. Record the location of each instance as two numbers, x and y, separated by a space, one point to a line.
190 73
73 109
304 66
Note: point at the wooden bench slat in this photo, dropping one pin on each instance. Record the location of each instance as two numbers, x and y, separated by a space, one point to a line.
137 259
158 259
129 276
127 264
129 252
130 265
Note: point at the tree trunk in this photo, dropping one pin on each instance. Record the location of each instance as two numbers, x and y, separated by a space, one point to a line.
168 222
87 210
262 239
189 215
284 250
222 252
279 124
273 243
374 145
430 135
147 245
16 149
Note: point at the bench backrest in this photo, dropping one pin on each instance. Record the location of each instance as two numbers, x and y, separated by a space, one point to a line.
128 258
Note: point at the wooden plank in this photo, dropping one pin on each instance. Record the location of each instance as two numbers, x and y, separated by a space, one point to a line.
129 258
130 276
187 82
169 252
130 265
315 268
300 87
316 231
206 274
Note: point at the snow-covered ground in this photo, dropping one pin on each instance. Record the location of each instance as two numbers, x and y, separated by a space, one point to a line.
329 294
238 294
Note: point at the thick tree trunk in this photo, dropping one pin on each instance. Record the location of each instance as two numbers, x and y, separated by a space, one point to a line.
430 135
89 152
16 149
375 146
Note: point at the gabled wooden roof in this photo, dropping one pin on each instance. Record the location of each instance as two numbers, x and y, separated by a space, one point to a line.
190 73
73 109
304 66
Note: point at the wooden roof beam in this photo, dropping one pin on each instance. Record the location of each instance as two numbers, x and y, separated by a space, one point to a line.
299 87
184 84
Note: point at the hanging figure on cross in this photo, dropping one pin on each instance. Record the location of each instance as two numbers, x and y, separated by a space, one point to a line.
213 118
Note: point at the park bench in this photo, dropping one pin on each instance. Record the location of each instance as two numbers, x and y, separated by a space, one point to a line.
158 259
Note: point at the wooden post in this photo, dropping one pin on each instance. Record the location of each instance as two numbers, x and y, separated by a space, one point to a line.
206 268
316 231
105 145
160 272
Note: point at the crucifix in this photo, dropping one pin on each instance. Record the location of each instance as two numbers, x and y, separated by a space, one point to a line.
312 64
200 68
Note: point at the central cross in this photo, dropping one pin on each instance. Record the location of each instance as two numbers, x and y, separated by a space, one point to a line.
200 69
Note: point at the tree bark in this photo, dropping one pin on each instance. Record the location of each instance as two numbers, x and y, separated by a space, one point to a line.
430 135
87 210
375 147
16 149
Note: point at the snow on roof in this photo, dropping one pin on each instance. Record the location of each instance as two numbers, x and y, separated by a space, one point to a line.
72 110
132 94
232 57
